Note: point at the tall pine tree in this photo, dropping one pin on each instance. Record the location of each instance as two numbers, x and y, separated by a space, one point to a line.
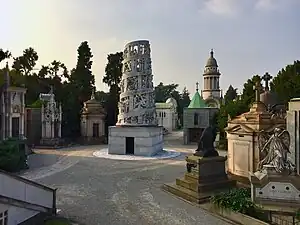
82 83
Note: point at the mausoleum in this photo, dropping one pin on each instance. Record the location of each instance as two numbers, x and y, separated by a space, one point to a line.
93 122
137 131
12 109
196 117
243 137
167 116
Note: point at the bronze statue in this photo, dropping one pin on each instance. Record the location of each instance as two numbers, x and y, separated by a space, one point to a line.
206 144
274 149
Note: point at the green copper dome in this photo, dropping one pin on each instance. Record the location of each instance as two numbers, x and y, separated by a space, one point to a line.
197 102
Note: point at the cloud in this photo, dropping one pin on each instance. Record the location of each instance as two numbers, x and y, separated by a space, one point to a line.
266 4
222 7
270 5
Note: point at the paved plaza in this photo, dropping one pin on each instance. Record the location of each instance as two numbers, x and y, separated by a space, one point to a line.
102 191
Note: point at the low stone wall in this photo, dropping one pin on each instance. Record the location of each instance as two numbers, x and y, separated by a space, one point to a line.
233 216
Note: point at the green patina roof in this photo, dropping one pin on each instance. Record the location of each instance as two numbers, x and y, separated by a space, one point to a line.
197 102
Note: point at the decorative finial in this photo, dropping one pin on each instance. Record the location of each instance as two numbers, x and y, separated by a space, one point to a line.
212 53
7 65
93 95
197 86
257 88
267 77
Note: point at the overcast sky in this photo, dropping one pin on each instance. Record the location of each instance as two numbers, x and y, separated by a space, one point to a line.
248 36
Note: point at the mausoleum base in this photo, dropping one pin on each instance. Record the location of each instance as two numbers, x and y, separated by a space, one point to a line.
52 142
135 140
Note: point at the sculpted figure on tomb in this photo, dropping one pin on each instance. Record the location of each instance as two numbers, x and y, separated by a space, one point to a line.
206 144
274 150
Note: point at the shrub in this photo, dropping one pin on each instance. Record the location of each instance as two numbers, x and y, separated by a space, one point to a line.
12 157
238 200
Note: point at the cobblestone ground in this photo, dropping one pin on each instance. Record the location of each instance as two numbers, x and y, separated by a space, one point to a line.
96 191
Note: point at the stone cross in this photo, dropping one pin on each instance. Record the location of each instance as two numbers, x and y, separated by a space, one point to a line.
257 88
267 77
197 86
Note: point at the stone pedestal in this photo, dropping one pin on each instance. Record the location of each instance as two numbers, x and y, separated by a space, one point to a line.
204 177
135 140
273 190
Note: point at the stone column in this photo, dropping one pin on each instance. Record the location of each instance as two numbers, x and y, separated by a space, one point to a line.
137 101
52 123
60 120
43 120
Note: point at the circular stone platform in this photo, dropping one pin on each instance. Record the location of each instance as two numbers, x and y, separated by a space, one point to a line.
164 154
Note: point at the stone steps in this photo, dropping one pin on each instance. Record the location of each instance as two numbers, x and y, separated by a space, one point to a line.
186 194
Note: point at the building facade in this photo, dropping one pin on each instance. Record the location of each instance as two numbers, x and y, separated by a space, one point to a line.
196 117
12 110
166 113
93 122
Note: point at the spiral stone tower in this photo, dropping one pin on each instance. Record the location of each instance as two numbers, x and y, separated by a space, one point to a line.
137 100
136 131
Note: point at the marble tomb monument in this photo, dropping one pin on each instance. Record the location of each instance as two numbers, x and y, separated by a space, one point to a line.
136 131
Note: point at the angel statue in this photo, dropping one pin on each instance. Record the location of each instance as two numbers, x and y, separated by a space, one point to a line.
275 149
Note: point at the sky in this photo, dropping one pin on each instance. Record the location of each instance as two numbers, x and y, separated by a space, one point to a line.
248 36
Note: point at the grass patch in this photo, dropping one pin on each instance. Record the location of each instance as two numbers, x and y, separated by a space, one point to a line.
57 222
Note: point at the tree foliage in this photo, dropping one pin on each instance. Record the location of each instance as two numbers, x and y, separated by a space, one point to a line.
4 54
248 95
231 94
163 92
26 62
287 82
113 75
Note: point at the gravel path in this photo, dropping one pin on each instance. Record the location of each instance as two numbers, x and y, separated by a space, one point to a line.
97 191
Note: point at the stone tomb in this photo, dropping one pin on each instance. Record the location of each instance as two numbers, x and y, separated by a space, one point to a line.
136 131
140 141
243 134
273 190
204 177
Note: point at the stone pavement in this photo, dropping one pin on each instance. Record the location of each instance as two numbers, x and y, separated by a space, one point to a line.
97 191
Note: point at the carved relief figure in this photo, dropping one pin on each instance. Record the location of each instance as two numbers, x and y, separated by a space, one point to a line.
132 83
127 67
274 149
122 86
125 53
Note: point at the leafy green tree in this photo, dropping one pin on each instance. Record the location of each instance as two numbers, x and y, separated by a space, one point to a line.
82 77
102 97
24 64
4 54
287 82
231 94
163 92
112 77
77 91
183 102
248 95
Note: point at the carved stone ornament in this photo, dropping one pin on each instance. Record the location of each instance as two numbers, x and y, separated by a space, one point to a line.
274 150
16 109
137 106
